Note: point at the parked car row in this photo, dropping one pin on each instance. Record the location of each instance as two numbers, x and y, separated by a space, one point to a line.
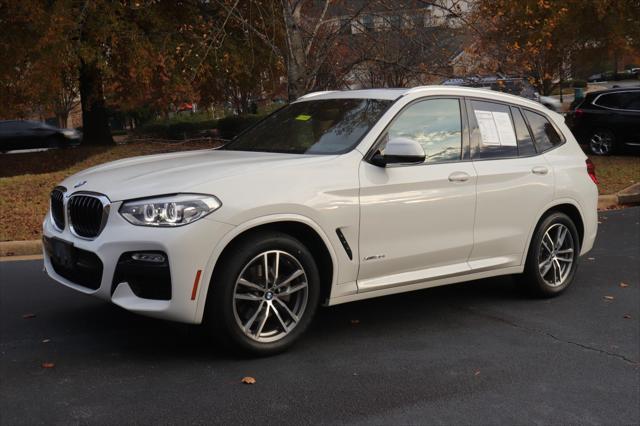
610 75
26 134
513 85
607 121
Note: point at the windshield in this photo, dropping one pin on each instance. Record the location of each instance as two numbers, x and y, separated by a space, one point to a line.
330 126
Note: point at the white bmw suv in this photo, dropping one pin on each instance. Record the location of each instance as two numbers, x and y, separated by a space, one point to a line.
339 196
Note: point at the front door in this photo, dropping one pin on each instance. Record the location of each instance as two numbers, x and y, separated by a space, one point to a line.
416 221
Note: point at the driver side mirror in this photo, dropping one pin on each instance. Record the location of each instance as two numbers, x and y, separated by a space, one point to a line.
400 151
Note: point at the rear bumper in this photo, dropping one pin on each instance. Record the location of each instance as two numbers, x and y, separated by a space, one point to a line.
187 250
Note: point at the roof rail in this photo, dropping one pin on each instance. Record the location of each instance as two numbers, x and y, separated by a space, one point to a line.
312 94
418 88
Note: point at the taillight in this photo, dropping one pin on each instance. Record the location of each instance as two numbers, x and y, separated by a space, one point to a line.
591 169
577 113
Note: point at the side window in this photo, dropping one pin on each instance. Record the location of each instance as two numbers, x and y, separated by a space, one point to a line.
435 124
544 134
493 132
631 101
525 143
612 100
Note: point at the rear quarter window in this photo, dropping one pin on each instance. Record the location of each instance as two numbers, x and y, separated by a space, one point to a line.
545 135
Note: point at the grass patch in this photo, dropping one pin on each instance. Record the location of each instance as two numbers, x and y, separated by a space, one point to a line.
27 179
616 172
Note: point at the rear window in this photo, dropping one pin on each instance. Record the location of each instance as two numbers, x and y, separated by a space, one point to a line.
545 135
493 131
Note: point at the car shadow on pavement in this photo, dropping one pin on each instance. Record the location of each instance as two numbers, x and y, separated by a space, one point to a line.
146 339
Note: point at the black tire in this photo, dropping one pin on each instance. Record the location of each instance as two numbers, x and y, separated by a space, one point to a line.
602 142
536 284
220 314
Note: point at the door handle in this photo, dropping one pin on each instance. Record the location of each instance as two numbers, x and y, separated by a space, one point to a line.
539 170
459 177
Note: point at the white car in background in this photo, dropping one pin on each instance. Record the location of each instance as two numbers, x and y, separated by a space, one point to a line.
550 102
337 197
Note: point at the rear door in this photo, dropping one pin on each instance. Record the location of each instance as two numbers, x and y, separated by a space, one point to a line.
514 183
630 118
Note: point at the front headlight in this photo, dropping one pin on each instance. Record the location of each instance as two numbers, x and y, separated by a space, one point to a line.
169 211
70 133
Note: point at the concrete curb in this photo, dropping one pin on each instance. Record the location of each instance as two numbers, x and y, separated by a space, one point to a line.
629 195
607 202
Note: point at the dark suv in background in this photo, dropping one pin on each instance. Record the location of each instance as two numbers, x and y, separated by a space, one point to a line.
608 121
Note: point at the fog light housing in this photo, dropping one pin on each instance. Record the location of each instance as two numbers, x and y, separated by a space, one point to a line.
146 272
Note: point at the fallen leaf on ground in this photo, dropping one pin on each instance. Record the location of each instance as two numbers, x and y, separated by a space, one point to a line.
626 316
48 365
355 321
624 285
28 316
609 297
248 380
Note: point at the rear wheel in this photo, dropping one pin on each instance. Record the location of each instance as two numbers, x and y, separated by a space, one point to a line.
266 295
553 256
601 142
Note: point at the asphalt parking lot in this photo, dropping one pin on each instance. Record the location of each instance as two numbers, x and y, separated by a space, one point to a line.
474 353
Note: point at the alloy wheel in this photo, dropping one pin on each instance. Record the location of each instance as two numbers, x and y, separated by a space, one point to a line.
601 143
556 255
270 296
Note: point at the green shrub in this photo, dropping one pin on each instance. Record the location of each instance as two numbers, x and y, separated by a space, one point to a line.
229 127
191 126
184 127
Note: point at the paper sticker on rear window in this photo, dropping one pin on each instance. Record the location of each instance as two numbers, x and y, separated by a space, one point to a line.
495 128
303 117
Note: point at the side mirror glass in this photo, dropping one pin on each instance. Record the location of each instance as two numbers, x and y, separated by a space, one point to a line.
400 151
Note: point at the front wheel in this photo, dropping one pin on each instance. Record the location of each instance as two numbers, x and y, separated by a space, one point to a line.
55 142
553 256
267 293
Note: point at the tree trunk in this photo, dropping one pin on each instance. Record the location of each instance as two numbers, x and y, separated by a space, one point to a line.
62 118
296 56
95 122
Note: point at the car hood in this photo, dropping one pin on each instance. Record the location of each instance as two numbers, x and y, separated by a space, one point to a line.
178 172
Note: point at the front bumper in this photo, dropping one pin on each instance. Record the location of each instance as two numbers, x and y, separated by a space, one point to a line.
187 248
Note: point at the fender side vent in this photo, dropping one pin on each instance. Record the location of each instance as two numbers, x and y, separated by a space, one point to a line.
345 244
